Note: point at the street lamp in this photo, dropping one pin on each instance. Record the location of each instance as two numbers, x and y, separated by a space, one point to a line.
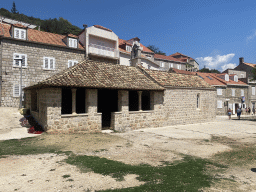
20 59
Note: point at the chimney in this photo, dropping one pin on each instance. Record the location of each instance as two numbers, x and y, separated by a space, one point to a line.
136 54
241 60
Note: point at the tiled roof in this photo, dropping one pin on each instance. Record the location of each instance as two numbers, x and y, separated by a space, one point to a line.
169 58
101 27
71 35
37 36
144 48
177 80
230 82
95 74
250 64
177 53
19 25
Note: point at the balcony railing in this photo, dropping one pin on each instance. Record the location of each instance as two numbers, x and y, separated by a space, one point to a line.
103 51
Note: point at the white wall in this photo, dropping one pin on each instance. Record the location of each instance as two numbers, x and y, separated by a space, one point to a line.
125 59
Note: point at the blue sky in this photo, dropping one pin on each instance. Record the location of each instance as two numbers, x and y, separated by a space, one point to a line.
215 32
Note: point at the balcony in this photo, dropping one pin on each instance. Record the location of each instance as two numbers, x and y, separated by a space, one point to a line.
103 51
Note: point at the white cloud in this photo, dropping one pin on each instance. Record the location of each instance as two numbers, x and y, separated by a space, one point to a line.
251 37
228 66
217 62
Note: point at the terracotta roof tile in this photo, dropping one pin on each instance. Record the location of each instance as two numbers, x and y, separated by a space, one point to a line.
169 58
177 80
95 74
38 36
250 64
101 27
19 25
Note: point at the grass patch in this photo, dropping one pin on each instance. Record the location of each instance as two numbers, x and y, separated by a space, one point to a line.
66 176
188 175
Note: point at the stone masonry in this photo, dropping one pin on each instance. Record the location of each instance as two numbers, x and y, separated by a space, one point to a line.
34 71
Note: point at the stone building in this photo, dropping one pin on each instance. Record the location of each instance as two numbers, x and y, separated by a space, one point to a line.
92 95
40 54
231 92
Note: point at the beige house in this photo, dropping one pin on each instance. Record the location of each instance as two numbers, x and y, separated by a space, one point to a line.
92 95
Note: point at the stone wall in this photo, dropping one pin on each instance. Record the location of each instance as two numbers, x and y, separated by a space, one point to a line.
34 71
50 117
171 107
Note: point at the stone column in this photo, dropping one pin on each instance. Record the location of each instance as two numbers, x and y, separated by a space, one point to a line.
73 101
123 101
140 103
152 100
91 100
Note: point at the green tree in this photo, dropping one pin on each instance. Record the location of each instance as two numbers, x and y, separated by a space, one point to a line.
14 10
155 49
206 70
253 73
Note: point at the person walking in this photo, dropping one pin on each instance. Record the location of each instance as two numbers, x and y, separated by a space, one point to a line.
239 113
253 110
229 113
249 111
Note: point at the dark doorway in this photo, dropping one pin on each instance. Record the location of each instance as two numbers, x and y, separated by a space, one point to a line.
236 107
145 97
107 103
133 101
66 101
80 100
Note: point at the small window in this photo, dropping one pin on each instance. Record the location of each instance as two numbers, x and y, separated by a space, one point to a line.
233 92
219 104
162 64
236 78
19 60
219 91
171 65
253 90
72 63
128 48
49 63
242 92
201 77
19 33
72 42
178 66
198 101
242 75
226 77
209 77
16 90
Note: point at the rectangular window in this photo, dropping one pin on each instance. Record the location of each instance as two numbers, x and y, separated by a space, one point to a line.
242 92
233 92
253 90
72 42
72 63
128 48
198 101
20 33
162 64
179 66
16 90
171 65
19 59
49 63
219 104
219 91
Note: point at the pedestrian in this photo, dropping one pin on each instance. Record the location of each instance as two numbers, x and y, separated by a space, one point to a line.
238 112
253 110
246 110
229 113
249 110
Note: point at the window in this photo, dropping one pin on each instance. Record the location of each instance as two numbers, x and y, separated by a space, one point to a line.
49 63
242 75
233 92
209 77
242 92
226 77
198 101
219 91
201 77
178 66
219 104
128 48
236 78
72 42
162 64
171 65
16 90
253 90
72 63
19 33
19 59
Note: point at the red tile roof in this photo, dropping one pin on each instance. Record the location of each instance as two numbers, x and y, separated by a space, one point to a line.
184 56
250 64
144 48
38 36
19 25
169 58
101 27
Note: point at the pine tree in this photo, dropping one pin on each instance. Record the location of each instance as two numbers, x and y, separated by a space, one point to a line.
14 10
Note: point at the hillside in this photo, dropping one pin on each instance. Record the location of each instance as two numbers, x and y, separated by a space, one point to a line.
60 26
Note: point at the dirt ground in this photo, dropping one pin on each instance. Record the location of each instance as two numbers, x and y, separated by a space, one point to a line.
45 172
